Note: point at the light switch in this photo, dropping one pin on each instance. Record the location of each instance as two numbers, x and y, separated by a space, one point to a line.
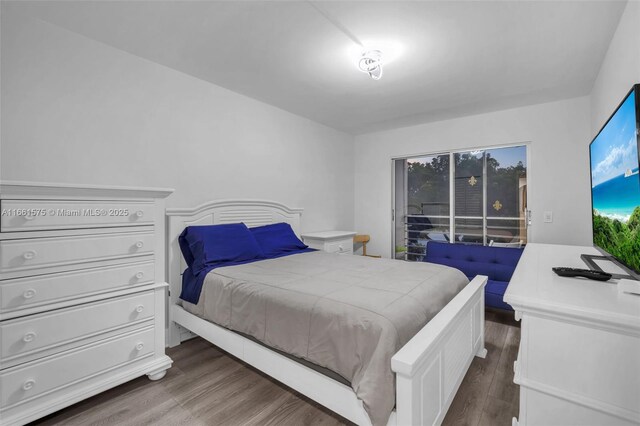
548 217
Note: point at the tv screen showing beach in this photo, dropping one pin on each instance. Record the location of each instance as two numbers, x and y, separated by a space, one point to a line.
615 187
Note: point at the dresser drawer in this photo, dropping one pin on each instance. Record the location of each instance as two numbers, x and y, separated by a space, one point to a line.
578 369
32 255
27 381
340 246
330 241
44 289
41 215
34 336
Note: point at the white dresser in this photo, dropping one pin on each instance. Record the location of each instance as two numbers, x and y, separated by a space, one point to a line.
330 241
82 293
579 357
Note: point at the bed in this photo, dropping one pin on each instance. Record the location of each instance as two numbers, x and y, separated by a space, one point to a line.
428 368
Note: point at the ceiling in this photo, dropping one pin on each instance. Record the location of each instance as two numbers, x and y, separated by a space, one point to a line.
456 58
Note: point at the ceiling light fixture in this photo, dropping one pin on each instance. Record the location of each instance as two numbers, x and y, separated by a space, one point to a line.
371 60
371 63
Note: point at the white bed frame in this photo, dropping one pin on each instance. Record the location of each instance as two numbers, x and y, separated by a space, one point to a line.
429 368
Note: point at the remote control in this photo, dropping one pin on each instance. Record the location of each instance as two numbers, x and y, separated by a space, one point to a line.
586 273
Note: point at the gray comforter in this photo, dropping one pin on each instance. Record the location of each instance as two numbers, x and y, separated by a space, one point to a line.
349 314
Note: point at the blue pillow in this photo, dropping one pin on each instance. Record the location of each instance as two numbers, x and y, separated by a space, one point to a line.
212 245
277 239
184 246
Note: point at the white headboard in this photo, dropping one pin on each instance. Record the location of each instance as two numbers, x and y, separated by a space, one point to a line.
251 212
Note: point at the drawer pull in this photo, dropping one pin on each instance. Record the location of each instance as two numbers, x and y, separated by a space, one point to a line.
139 309
29 293
29 337
139 275
139 213
139 346
28 255
139 244
28 384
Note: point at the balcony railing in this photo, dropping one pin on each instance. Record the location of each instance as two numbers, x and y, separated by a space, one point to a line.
420 229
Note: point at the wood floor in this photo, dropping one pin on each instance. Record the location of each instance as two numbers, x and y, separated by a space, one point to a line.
487 395
206 386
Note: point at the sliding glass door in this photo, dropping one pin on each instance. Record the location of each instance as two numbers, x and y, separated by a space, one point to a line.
422 203
506 199
471 197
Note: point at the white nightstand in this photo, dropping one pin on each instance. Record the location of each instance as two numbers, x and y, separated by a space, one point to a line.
330 241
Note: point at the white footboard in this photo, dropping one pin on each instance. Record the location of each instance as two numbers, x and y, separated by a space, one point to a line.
431 366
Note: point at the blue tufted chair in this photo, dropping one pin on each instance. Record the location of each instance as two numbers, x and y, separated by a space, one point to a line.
497 263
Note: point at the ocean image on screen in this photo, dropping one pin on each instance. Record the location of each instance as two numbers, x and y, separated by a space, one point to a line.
615 188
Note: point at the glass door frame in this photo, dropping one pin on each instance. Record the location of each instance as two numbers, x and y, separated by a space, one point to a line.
452 217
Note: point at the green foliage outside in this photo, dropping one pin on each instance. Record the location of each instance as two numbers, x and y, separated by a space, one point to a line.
428 183
619 239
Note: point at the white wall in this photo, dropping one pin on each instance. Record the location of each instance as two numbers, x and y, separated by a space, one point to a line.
78 111
620 69
559 136
74 110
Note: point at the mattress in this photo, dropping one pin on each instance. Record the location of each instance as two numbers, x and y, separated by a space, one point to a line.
348 314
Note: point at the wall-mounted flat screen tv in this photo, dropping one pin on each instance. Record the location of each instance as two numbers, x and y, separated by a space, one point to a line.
615 185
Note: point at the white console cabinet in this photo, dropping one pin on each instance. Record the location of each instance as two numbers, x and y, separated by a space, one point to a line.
579 357
82 293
